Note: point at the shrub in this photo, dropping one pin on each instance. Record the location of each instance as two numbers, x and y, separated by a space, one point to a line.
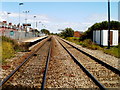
69 39
68 32
7 50
10 47
4 38
17 46
89 44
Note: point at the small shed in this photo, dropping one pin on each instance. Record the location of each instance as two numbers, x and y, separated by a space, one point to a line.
101 37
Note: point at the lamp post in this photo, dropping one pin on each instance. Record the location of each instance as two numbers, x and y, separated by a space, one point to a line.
26 12
20 4
34 21
8 16
119 11
41 23
108 24
34 25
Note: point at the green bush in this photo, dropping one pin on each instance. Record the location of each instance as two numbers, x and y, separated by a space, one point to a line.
10 47
16 46
73 39
4 38
7 50
68 32
89 44
80 43
88 34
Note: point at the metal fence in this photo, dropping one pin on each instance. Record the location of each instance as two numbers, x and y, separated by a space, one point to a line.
14 34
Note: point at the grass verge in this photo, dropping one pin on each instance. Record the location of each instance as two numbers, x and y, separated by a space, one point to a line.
7 50
9 47
114 51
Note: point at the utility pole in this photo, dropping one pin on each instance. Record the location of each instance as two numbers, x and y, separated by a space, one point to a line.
19 25
26 24
8 20
34 25
8 16
26 12
108 24
119 21
20 4
34 22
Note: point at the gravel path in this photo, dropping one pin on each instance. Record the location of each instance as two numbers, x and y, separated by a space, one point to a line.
111 60
31 74
63 72
105 76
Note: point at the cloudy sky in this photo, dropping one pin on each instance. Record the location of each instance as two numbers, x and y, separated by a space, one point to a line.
58 15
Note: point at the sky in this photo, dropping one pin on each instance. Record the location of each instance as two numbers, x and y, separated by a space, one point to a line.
56 16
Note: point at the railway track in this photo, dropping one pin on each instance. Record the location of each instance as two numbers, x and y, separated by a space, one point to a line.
31 73
104 75
63 72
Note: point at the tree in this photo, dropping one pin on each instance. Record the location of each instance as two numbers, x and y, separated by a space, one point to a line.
36 31
68 32
45 31
114 25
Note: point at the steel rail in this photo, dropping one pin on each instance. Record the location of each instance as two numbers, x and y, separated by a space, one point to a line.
83 68
46 67
14 71
117 71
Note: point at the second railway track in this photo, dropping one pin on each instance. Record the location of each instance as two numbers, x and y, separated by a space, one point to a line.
106 77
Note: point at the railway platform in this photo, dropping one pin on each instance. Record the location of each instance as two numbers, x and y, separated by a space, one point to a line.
34 39
31 42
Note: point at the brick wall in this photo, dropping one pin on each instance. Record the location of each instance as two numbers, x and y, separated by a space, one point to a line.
77 34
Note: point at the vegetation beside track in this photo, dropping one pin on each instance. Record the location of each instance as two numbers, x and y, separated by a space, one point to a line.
90 45
88 34
113 51
68 32
86 38
9 47
7 50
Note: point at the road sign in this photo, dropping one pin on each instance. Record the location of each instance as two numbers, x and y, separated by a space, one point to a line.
11 33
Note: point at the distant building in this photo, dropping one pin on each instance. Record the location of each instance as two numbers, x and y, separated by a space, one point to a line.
3 24
77 33
101 37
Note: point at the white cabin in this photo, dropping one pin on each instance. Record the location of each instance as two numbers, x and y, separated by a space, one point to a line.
101 37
